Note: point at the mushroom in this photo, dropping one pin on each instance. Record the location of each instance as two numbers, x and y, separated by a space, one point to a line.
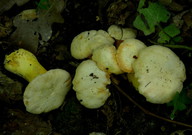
127 53
46 90
90 84
119 33
83 44
105 57
97 133
158 74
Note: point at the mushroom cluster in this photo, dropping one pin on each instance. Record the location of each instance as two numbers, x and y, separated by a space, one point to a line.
46 90
155 71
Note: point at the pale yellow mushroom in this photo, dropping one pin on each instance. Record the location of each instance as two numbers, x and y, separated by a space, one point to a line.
120 33
90 85
105 57
97 133
84 43
158 74
46 90
127 53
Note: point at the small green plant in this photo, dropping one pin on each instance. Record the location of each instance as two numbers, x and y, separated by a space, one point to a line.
179 103
150 17
43 4
169 35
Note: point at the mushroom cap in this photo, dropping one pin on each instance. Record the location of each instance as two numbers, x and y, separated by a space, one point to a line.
105 57
97 133
119 33
47 91
127 53
90 84
160 74
83 44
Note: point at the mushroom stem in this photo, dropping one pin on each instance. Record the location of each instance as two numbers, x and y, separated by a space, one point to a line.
24 64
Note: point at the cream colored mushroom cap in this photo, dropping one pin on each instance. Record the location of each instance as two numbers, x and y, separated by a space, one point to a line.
93 97
119 33
127 53
160 74
105 57
90 85
47 91
97 133
83 44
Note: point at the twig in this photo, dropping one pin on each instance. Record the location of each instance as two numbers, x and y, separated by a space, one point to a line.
179 46
148 112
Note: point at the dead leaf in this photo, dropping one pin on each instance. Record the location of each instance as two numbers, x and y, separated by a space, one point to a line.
7 4
31 31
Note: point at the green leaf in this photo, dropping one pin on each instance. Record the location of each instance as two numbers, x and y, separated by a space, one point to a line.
141 25
43 4
177 39
171 30
150 17
168 33
179 103
141 4
163 37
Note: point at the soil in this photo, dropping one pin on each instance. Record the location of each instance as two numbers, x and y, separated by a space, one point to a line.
126 112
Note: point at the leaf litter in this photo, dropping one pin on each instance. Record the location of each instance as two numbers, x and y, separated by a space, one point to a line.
35 26
118 116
